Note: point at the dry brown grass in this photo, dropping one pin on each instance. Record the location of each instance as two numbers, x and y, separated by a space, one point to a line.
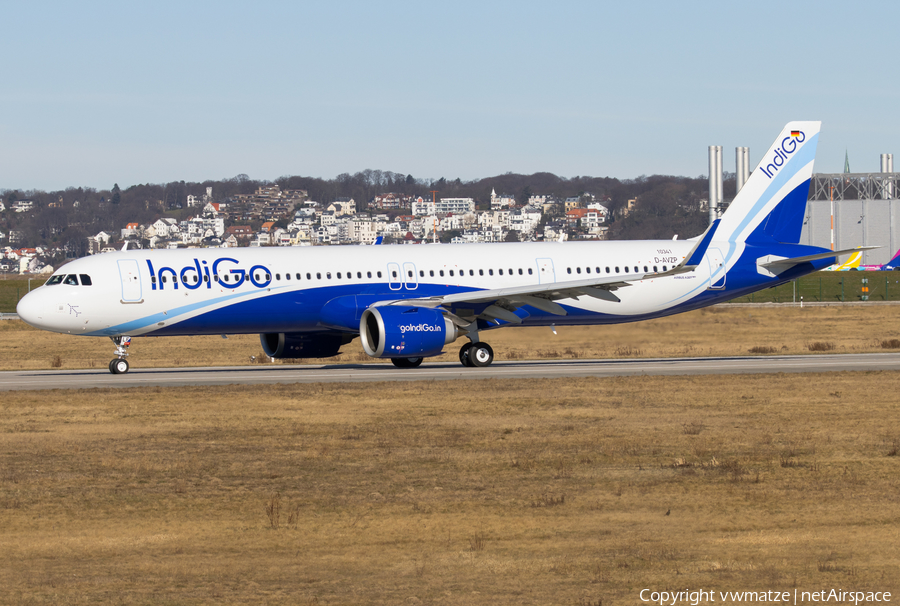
483 492
716 331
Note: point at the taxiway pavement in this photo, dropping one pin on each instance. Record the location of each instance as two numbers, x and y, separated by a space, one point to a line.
350 373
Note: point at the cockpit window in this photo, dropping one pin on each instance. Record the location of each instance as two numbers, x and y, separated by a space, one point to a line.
55 280
85 279
71 280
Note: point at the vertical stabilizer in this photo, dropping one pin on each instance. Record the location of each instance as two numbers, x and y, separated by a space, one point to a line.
772 204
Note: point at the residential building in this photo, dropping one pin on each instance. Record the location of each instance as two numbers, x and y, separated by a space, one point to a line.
502 201
391 201
454 205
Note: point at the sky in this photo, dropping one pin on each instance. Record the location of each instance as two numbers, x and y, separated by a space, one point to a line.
96 93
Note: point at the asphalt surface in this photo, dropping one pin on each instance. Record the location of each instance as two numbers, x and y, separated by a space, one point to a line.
353 373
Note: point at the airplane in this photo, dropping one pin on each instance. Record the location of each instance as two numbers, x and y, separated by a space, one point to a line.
851 264
407 303
893 264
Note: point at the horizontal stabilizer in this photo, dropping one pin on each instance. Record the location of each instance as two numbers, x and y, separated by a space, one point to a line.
773 265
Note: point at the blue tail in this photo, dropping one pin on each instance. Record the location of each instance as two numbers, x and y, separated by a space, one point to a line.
772 204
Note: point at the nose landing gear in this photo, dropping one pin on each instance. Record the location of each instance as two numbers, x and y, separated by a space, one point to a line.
119 365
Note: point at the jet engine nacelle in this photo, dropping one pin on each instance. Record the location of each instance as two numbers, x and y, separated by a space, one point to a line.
303 345
394 331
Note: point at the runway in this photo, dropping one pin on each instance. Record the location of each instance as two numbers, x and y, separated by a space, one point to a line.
353 373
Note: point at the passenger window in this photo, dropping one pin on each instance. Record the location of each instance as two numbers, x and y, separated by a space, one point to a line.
54 280
309 276
287 276
359 275
378 274
451 273
368 274
152 279
394 273
645 269
268 277
529 271
278 276
568 270
500 271
617 270
636 270
607 270
441 272
421 273
328 274
587 269
163 278
471 272
655 268
338 275
520 271
490 272
71 280
318 275
664 268
480 272
409 273
431 272
510 272
577 270
206 278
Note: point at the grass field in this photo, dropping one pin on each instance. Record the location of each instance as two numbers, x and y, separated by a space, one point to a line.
566 492
574 492
715 331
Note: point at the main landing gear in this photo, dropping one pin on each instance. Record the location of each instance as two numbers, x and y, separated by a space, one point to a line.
476 354
119 365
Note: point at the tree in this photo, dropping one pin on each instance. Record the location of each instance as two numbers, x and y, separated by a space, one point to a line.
116 194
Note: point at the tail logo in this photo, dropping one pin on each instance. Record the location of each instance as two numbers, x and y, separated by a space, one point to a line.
788 146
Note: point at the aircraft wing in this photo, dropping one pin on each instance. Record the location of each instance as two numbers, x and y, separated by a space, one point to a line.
502 303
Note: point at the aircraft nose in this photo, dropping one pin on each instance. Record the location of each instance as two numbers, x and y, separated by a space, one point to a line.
29 309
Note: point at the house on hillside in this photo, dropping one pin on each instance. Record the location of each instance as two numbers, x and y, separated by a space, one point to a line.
502 201
131 229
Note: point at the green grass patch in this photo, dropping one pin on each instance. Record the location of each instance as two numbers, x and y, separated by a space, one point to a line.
832 287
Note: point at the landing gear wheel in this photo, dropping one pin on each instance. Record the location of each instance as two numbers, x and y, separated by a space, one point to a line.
464 358
481 354
118 366
407 362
